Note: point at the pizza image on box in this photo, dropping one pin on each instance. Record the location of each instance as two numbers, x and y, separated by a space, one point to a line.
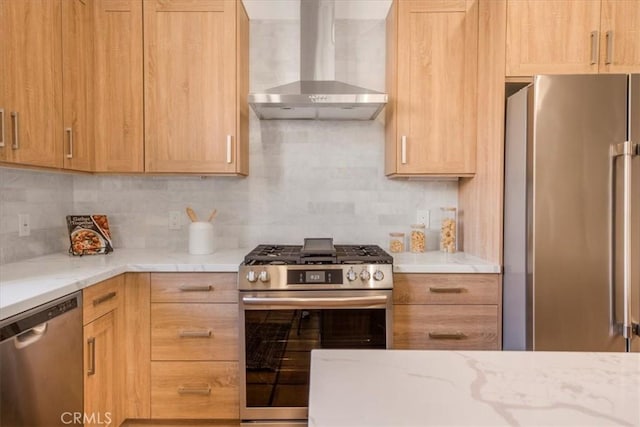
89 234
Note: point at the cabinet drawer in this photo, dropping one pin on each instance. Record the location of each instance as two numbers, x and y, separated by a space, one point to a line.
194 287
446 289
101 298
194 390
194 331
442 327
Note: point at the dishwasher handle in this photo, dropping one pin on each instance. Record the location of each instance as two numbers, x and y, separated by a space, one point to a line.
31 336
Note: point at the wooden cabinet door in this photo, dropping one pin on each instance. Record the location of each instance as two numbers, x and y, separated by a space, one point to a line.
118 89
552 37
190 86
4 84
32 79
620 36
77 94
101 381
436 88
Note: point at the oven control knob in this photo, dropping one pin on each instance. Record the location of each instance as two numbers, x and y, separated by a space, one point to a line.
351 275
264 276
365 275
378 275
252 276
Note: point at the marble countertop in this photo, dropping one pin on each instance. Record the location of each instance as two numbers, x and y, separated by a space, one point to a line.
26 284
441 262
473 388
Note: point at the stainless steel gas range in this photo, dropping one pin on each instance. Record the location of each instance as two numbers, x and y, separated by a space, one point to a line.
294 299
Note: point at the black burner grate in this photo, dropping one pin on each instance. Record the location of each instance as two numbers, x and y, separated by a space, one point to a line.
292 254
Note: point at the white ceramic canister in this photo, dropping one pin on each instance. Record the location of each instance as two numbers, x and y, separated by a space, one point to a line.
201 241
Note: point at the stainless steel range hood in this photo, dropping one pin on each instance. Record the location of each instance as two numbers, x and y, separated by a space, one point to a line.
317 95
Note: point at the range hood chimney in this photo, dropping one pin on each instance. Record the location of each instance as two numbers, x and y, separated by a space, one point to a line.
317 95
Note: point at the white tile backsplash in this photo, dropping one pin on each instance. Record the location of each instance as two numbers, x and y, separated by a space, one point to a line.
47 197
307 178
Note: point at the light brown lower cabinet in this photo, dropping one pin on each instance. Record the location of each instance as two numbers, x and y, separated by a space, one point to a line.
447 311
196 390
162 347
194 346
103 364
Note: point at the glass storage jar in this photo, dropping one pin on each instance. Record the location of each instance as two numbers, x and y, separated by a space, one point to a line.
396 242
449 230
417 238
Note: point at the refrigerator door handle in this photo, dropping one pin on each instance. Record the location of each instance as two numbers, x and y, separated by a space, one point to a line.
626 150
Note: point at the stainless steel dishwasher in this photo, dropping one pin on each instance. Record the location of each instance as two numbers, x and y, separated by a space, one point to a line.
41 365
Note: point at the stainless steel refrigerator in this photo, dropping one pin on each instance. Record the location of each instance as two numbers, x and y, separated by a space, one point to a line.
572 214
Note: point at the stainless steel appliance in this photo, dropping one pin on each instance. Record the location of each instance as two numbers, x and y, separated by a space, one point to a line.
294 299
572 214
317 95
41 365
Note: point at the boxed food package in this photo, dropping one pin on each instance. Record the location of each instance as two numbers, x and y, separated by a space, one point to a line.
89 234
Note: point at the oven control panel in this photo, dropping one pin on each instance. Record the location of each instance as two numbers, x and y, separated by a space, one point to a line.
362 276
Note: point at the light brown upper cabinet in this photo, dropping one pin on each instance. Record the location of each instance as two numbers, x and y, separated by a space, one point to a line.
118 90
572 36
72 89
620 36
196 84
32 82
45 120
432 53
77 74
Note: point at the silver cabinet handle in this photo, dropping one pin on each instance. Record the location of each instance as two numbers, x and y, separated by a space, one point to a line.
1 127
185 389
447 290
16 128
69 133
594 47
91 352
447 335
403 149
196 288
627 150
377 301
229 140
195 334
609 57
104 298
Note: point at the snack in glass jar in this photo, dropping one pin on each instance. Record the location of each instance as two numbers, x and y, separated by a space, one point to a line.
448 230
396 242
417 238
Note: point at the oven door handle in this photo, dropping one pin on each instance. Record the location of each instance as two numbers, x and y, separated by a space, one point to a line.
372 301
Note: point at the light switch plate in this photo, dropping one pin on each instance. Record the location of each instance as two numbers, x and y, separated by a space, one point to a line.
174 220
24 226
422 217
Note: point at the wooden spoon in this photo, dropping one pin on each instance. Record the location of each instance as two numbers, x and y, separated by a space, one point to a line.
213 215
192 215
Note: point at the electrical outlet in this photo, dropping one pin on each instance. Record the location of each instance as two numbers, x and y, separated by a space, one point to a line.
174 220
422 217
24 227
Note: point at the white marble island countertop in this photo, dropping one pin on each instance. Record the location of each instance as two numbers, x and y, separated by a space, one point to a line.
351 388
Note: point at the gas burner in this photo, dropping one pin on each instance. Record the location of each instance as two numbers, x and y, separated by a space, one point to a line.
317 251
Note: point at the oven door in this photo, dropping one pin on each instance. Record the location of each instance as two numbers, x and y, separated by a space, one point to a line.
280 328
